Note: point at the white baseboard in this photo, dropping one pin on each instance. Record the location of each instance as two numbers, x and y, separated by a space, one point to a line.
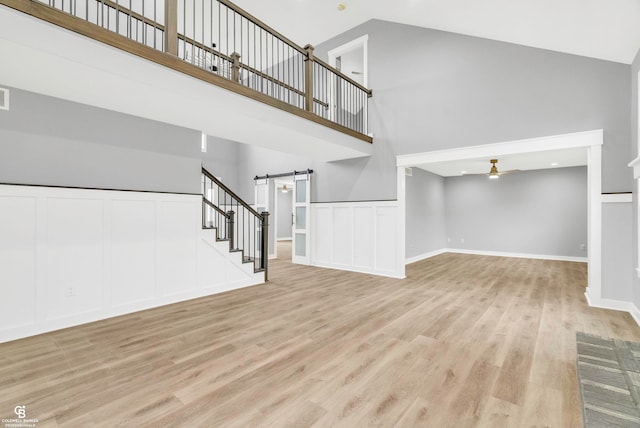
516 255
357 270
635 313
615 305
284 239
425 256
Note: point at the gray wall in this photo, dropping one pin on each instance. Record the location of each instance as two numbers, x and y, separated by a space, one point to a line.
540 212
635 69
437 90
425 213
48 141
285 201
221 159
617 251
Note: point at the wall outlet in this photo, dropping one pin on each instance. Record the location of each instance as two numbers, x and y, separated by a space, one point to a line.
583 247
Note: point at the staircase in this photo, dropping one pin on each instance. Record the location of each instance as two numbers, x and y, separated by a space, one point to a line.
235 223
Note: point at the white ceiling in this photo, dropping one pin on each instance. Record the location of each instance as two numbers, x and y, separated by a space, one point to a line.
604 29
521 161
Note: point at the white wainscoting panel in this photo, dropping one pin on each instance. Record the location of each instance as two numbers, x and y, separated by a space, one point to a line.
363 247
343 236
17 261
356 236
72 256
133 252
322 234
177 231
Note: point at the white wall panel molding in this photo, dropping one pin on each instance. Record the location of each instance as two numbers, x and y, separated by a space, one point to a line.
425 256
517 255
530 145
72 256
635 164
616 305
357 236
617 198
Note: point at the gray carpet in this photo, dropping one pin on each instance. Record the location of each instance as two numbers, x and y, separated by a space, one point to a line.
609 376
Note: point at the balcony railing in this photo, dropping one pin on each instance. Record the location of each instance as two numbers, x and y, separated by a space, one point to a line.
226 41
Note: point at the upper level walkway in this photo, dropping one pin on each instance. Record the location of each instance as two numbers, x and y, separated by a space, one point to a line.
205 65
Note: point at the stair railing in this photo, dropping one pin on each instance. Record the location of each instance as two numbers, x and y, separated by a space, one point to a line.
235 221
223 39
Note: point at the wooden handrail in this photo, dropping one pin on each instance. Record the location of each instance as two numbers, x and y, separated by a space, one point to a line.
248 68
168 58
344 76
212 205
261 24
230 193
132 14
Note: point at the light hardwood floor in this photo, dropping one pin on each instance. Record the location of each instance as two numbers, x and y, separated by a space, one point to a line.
463 341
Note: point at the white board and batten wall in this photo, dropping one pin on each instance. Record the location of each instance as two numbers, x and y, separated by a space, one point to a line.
72 256
357 236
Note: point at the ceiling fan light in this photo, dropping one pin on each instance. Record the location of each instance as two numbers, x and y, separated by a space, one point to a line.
285 189
494 176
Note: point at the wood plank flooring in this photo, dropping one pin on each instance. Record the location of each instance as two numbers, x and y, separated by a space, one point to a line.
463 341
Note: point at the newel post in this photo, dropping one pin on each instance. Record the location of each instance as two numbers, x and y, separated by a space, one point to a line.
235 67
308 78
230 229
264 253
171 27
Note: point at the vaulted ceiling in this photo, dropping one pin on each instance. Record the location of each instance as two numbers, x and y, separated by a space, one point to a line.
604 29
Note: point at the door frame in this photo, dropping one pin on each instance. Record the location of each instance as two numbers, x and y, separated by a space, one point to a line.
333 54
278 212
590 140
306 259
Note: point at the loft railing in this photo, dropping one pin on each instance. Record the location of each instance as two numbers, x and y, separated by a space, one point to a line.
223 39
245 229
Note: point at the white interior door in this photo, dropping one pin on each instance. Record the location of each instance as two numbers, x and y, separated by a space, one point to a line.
301 218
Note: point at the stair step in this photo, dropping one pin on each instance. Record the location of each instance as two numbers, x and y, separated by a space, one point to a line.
248 260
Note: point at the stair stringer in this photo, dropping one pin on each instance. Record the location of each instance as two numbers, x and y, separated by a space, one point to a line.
221 270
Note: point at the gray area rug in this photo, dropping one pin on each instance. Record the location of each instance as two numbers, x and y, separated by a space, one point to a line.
609 376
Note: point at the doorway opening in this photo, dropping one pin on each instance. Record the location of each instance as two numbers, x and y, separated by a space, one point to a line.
589 141
351 59
283 215
290 216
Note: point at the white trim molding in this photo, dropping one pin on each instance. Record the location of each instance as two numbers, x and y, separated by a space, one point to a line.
635 164
495 254
72 256
531 145
615 305
591 140
358 237
425 256
617 198
4 105
517 255
350 46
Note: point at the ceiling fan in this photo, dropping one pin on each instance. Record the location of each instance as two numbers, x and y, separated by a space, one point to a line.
493 172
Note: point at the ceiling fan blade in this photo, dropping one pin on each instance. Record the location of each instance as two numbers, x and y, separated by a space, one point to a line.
508 172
